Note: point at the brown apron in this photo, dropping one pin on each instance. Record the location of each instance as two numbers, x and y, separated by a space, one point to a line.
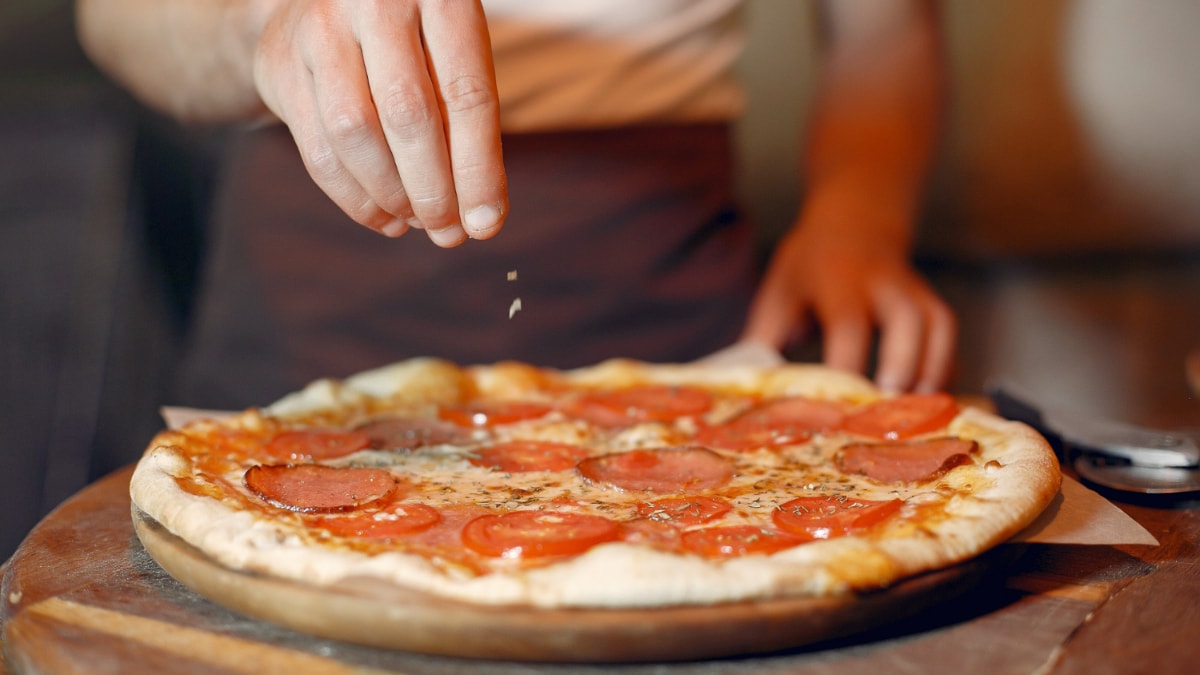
624 243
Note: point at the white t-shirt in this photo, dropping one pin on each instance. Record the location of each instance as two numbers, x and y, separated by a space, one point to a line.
581 64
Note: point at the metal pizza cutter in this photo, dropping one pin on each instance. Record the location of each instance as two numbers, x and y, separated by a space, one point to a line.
1110 454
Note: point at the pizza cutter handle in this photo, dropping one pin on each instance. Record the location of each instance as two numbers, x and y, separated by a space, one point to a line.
1150 448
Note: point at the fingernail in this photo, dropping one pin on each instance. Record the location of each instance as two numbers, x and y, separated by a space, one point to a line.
481 221
394 228
448 237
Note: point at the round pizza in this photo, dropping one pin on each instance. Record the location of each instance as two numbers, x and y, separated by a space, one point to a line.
622 485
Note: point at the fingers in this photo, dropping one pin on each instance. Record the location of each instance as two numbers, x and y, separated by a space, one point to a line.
434 89
460 61
342 144
918 333
847 328
773 313
937 365
394 108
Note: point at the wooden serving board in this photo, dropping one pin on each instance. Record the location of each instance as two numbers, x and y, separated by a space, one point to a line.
389 617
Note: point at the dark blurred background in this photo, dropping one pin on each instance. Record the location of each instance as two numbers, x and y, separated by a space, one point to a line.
1063 221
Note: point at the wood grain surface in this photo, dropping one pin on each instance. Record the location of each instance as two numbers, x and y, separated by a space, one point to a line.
82 595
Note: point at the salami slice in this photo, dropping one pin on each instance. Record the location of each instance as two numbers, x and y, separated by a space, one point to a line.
905 462
317 488
664 470
776 423
405 433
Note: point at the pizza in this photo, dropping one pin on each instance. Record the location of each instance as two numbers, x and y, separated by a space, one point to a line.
621 485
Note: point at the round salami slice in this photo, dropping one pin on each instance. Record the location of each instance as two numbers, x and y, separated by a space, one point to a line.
405 433
903 416
308 445
776 423
538 534
664 470
828 517
318 488
525 456
905 462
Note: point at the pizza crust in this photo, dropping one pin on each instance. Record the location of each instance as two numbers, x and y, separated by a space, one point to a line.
1014 479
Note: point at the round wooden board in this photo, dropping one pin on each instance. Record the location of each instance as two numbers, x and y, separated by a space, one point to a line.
385 616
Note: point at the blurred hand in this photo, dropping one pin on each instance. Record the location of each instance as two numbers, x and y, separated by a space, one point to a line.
393 106
853 281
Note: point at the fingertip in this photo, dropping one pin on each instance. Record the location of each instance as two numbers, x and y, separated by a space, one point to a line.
394 228
482 222
448 237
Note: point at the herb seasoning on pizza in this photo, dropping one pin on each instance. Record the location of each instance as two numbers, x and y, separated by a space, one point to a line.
616 486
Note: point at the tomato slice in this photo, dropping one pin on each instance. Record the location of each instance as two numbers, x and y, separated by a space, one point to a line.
684 511
632 405
903 416
315 444
737 540
523 456
493 413
398 521
537 534
829 517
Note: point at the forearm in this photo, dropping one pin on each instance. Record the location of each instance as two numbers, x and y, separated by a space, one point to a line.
192 59
877 115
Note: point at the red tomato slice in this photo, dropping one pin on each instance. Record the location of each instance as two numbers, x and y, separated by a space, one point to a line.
829 517
903 416
736 540
632 405
398 521
537 534
660 470
522 456
315 444
684 511
494 413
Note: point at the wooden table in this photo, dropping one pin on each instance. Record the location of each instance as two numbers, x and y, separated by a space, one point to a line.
82 596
